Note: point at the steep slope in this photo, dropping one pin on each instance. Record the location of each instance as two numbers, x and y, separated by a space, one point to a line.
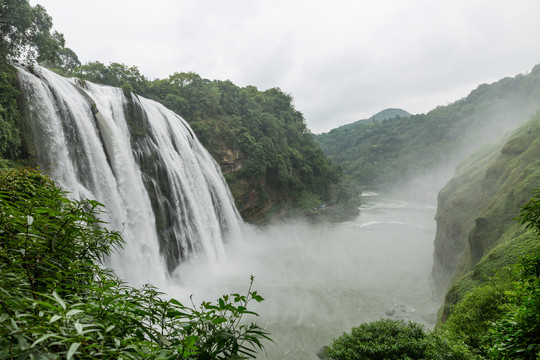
478 238
397 150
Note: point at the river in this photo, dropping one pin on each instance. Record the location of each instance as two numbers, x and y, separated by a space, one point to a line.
320 281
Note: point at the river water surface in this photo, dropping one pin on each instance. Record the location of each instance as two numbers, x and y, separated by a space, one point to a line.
320 281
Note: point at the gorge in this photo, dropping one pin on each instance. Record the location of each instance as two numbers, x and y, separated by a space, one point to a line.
446 236
167 196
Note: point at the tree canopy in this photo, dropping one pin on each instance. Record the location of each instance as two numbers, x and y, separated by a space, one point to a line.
26 32
260 140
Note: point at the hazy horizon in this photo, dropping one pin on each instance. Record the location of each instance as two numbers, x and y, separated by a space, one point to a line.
341 62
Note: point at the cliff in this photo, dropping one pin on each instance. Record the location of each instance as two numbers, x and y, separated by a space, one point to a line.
478 239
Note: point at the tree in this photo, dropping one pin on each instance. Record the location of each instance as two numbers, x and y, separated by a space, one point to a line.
26 32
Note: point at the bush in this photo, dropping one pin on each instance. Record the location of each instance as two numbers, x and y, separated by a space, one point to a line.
395 339
57 301
384 339
517 334
471 319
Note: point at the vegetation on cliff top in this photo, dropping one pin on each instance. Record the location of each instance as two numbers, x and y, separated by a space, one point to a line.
259 139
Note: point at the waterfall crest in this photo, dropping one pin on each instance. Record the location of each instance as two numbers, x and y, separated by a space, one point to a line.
159 185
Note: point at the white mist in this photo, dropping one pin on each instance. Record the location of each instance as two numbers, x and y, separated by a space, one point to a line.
319 281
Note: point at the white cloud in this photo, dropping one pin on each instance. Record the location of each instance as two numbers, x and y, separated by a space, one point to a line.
342 60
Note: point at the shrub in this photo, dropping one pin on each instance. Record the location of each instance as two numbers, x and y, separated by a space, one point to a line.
517 334
395 339
57 301
383 339
473 316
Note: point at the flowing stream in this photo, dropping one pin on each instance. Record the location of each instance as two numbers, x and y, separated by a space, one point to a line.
320 281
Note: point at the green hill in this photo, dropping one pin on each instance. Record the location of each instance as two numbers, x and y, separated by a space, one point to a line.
489 259
477 208
399 149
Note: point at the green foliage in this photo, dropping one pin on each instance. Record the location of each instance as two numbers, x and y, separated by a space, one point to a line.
473 316
517 334
57 300
118 75
26 32
495 308
530 213
380 340
10 140
394 339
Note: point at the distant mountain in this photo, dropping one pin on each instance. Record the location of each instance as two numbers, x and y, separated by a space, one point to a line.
387 151
385 114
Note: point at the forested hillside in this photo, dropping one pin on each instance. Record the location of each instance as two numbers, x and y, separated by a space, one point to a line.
259 139
399 149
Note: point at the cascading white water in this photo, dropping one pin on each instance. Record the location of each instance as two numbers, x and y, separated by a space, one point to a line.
142 161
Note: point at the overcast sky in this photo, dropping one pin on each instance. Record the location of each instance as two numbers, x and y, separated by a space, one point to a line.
341 60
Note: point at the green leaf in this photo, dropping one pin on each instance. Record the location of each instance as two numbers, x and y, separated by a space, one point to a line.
73 312
54 318
72 350
42 338
59 300
78 327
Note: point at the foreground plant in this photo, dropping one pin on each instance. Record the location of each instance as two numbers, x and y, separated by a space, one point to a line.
58 301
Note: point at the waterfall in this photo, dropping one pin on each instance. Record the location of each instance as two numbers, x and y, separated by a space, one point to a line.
160 187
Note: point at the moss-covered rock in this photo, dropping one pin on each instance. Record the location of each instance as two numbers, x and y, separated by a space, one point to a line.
478 206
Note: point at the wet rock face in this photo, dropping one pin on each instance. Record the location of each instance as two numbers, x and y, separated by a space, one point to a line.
323 353
231 161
